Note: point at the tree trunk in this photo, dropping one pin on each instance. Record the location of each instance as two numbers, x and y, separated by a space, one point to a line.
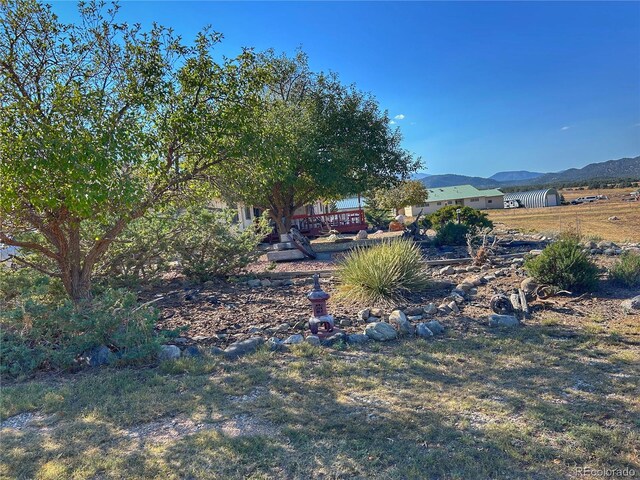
282 218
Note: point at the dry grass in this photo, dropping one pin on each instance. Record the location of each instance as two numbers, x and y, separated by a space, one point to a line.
536 402
591 220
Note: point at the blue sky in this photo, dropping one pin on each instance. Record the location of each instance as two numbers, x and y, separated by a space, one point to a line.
477 88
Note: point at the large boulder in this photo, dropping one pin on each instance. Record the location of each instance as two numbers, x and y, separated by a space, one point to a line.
358 338
294 339
380 331
243 347
631 305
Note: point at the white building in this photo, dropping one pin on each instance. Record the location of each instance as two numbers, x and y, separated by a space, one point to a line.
462 195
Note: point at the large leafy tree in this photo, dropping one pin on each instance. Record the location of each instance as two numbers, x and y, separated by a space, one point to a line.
100 121
314 138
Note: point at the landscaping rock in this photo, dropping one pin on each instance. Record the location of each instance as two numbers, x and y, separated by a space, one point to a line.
345 322
313 340
496 320
357 338
168 352
529 286
414 318
99 356
294 339
265 283
283 327
423 331
364 314
376 312
454 307
216 351
192 352
448 270
254 283
362 235
373 319
465 287
435 326
631 305
381 331
254 330
399 320
430 309
275 344
336 337
412 311
243 347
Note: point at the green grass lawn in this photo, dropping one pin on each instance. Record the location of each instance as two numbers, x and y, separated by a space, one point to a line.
534 403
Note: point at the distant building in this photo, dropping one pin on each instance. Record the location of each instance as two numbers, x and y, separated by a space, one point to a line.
535 198
462 195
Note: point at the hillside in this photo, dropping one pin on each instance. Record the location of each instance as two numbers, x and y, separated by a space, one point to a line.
515 176
450 180
622 168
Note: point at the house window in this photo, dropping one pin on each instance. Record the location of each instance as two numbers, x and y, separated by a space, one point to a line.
247 213
489 201
427 205
475 199
439 203
257 212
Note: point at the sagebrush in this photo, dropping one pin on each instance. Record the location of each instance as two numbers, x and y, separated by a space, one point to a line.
383 274
626 271
564 265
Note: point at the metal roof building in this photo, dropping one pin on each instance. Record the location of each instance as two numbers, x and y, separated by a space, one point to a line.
535 198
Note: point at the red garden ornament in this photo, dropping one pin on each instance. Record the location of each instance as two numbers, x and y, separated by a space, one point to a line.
320 317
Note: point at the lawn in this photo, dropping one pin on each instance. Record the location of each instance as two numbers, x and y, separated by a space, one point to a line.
536 402
591 220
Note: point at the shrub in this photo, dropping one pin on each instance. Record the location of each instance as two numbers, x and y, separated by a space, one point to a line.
41 329
474 219
382 274
564 264
626 271
452 234
213 246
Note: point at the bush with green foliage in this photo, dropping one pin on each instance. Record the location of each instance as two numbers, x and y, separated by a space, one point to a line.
564 265
626 271
475 219
452 234
210 245
382 274
376 215
207 243
41 329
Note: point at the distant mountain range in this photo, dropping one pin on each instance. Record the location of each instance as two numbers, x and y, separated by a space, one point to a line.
612 169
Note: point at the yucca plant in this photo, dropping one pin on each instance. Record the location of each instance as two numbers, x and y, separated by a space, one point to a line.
383 274
626 271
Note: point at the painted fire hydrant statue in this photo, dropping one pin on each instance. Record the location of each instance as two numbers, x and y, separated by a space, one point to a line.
320 317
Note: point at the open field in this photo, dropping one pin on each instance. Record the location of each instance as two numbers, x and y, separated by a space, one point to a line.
591 219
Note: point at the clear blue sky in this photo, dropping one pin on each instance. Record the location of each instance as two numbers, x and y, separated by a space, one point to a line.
482 87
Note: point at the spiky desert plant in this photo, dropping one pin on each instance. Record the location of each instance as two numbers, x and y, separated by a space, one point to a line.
383 274
626 271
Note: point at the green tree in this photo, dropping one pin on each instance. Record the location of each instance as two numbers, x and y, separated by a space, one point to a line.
469 216
408 192
99 121
314 138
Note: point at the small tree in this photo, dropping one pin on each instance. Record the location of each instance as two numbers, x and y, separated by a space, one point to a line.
409 192
99 121
475 219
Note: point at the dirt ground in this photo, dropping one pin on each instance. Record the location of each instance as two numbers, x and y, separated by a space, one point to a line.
222 313
590 219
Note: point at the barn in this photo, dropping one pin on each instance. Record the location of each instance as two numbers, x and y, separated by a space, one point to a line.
534 198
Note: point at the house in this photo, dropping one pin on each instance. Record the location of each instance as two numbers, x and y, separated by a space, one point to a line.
535 198
312 220
462 195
